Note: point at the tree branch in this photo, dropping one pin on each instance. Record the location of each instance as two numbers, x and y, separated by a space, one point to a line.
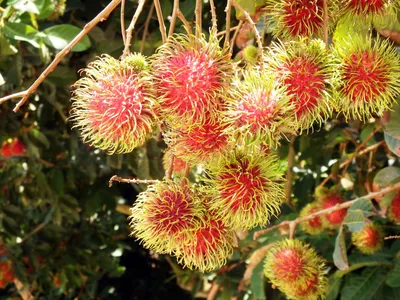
347 204
132 26
237 30
160 17
213 17
228 9
185 22
173 18
198 9
135 181
146 27
23 290
122 17
103 15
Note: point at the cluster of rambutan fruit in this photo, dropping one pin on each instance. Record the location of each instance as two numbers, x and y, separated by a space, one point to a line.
6 269
229 119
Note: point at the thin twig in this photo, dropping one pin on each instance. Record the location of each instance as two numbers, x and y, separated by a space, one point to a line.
212 293
228 9
23 290
173 18
129 31
146 27
135 181
185 22
33 232
390 237
160 17
198 9
250 20
168 174
103 15
221 33
213 17
123 209
122 17
326 21
235 35
361 153
347 204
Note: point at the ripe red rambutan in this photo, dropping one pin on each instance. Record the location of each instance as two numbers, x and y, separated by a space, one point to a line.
335 218
113 104
315 225
165 214
303 69
394 209
13 148
370 239
367 8
369 76
191 76
6 273
296 270
257 110
208 247
246 187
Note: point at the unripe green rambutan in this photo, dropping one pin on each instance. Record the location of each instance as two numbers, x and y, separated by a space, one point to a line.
208 247
394 209
304 69
113 105
368 75
370 239
257 110
250 54
191 76
296 270
315 225
335 218
165 214
245 184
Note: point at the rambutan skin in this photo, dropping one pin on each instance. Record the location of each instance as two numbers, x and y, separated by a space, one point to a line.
113 105
370 239
164 215
246 187
368 76
257 110
191 75
315 225
367 8
13 148
296 270
333 219
303 69
394 209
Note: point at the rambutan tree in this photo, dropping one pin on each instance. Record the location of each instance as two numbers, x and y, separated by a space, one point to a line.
247 149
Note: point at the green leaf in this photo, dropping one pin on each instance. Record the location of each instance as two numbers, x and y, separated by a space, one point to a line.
257 282
39 138
334 287
6 48
57 181
32 6
393 278
356 216
59 36
364 286
340 253
248 5
393 143
62 76
22 32
387 176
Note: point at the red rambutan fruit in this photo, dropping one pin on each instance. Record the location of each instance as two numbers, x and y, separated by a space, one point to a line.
335 218
6 273
369 76
208 246
257 110
315 225
113 105
369 240
246 187
13 148
165 214
191 76
394 209
303 69
367 8
296 270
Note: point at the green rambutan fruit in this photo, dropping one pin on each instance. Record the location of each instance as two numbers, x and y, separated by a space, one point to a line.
394 209
113 105
315 225
250 54
191 76
165 214
304 69
335 218
257 110
370 239
296 269
246 187
368 75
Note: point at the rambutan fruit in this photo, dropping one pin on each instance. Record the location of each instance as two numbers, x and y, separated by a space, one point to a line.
250 54
335 218
6 273
208 247
394 209
113 105
200 142
296 269
257 110
304 69
367 8
191 76
164 215
368 75
370 239
246 187
12 148
315 225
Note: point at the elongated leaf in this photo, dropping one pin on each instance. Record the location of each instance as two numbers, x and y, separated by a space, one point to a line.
393 278
393 143
391 121
386 176
334 287
22 32
356 216
340 253
257 282
60 35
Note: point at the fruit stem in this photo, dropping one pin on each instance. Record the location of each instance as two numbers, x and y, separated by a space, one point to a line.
198 9
173 18
122 20
235 35
129 31
227 23
161 20
213 17
135 181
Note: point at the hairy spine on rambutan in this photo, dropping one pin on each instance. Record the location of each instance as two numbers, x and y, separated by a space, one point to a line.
368 75
335 218
368 9
178 166
113 105
257 110
246 186
303 69
165 214
394 209
192 76
315 225
296 270
370 239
